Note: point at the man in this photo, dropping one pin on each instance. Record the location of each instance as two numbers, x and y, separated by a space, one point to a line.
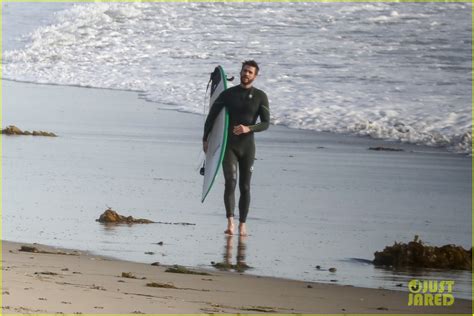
244 104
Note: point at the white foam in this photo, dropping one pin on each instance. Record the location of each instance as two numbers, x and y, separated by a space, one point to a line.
345 68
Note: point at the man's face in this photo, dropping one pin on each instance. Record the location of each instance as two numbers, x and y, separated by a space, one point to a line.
247 74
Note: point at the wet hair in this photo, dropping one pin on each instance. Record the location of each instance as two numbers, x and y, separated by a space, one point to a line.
251 63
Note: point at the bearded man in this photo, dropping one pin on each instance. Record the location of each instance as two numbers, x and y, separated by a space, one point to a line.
244 104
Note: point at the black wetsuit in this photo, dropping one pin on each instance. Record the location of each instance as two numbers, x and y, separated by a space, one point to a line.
244 107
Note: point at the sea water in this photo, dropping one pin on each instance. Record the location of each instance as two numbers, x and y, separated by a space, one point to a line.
396 71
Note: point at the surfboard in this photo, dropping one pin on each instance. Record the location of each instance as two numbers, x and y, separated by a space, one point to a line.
217 138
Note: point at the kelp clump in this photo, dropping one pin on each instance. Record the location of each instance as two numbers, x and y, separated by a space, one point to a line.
417 254
111 216
13 130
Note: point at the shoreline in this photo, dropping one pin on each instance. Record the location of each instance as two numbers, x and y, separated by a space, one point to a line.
405 146
85 283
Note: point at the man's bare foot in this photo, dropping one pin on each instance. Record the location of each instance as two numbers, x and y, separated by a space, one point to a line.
230 226
242 230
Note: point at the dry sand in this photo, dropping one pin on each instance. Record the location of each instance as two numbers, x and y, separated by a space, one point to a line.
75 282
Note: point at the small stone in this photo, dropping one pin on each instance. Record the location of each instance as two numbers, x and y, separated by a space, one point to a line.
332 270
156 264
318 267
309 286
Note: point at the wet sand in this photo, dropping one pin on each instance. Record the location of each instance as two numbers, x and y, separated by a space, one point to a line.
78 282
318 199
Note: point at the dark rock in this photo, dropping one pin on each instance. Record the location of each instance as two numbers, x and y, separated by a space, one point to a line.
332 270
318 267
156 264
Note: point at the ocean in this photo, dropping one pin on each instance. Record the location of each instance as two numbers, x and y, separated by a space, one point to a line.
393 71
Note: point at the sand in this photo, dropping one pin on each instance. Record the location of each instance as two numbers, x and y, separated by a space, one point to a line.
78 282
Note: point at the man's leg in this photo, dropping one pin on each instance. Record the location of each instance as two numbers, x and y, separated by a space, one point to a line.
229 166
245 175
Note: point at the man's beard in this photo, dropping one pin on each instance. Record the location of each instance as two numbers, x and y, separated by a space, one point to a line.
246 81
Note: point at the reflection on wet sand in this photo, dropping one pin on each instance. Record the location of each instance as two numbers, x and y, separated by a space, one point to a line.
226 264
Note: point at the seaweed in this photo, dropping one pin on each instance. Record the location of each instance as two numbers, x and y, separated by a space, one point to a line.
417 254
184 270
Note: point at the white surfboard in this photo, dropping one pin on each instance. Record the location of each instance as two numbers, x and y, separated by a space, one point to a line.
217 138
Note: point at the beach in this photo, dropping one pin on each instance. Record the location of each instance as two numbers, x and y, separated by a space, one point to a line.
319 199
67 281
370 145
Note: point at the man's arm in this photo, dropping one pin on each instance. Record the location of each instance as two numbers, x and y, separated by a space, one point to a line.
211 117
264 114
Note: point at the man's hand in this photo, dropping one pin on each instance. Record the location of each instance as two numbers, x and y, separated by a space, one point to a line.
241 129
204 146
